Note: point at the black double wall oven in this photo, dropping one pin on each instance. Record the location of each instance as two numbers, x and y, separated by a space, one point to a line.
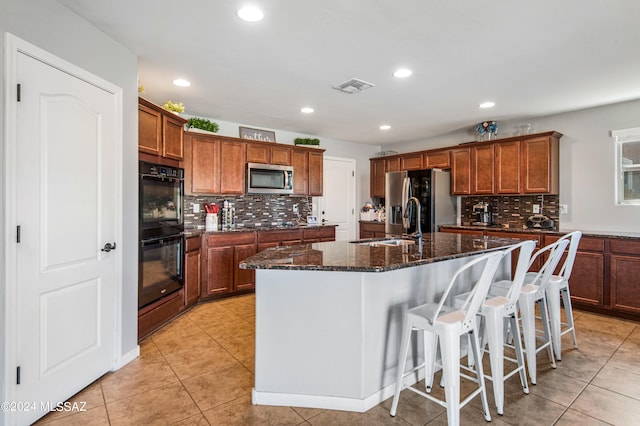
160 254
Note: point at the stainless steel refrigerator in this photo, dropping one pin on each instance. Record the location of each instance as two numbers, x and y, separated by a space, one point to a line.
431 187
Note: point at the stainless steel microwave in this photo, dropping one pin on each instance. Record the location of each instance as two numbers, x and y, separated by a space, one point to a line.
269 179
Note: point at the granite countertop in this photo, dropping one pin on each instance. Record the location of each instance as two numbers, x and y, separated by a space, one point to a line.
196 232
355 257
592 234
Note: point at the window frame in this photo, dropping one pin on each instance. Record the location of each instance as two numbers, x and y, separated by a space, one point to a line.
622 137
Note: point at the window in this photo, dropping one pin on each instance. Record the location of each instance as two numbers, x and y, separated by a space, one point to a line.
627 166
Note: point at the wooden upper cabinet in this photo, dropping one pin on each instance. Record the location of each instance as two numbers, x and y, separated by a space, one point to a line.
173 136
300 163
160 132
461 167
507 162
377 177
281 155
482 167
232 167
411 162
316 164
149 130
392 164
540 165
436 159
258 153
202 164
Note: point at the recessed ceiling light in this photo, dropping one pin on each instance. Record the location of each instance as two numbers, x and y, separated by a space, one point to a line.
402 73
307 110
250 14
385 127
181 82
487 105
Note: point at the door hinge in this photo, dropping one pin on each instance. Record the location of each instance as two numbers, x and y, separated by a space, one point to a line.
18 375
18 92
353 211
353 173
18 234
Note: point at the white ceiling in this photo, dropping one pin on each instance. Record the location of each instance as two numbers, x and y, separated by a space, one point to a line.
532 58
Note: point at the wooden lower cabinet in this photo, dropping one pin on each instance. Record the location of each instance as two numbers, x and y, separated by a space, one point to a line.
624 278
192 270
280 237
223 253
519 236
371 229
462 231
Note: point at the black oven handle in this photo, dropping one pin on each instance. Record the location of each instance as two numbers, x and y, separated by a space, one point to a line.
157 240
161 178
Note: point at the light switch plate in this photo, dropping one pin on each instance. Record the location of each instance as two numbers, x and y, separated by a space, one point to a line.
564 209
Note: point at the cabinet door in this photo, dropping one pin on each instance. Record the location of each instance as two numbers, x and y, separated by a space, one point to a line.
173 138
461 171
537 165
625 271
281 155
149 130
482 167
205 165
245 279
300 163
392 164
316 162
220 266
231 167
411 162
438 159
587 279
376 179
192 277
507 159
257 153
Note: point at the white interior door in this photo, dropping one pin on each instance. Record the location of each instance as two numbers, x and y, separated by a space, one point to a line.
337 204
66 209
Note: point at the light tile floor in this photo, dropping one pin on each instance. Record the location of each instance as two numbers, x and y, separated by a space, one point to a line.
198 370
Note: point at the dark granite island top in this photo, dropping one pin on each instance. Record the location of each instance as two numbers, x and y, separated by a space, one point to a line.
373 255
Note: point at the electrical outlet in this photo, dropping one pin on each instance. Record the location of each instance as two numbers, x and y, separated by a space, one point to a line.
196 207
564 209
295 208
536 208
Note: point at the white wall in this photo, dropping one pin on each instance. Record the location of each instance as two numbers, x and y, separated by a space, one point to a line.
54 28
587 163
334 148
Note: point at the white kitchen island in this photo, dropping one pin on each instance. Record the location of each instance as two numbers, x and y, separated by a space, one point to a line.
329 316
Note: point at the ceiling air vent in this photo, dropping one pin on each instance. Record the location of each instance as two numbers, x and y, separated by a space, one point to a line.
353 86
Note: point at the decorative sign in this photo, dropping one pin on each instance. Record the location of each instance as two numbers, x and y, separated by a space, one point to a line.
257 134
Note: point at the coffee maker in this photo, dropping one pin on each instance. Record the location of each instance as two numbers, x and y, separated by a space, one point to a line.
482 212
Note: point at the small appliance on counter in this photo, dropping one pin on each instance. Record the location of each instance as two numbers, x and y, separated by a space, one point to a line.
483 214
539 221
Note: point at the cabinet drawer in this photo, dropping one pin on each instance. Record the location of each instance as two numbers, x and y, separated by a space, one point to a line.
586 243
276 236
462 231
232 239
192 244
625 246
318 233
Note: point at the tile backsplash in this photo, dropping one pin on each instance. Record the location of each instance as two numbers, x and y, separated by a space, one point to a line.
512 210
251 210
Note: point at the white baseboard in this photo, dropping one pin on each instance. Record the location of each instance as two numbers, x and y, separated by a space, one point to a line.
126 358
329 402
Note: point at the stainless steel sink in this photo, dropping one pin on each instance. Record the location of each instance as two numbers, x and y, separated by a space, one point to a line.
385 243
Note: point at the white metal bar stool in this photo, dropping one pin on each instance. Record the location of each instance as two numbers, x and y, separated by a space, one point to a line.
495 311
559 288
445 325
532 294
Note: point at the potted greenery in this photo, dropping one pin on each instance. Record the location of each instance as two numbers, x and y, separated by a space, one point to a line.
175 107
306 141
202 124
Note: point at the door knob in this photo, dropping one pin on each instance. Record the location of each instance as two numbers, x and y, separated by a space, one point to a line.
108 247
